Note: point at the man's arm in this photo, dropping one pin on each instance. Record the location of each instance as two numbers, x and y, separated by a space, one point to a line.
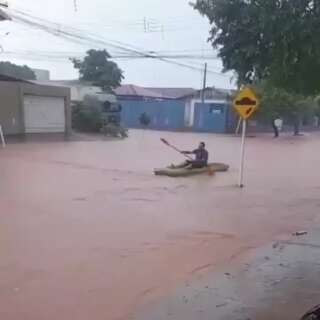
189 152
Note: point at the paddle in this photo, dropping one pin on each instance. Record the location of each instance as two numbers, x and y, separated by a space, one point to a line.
175 148
210 171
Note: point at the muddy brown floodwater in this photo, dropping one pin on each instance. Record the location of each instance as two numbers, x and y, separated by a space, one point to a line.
87 232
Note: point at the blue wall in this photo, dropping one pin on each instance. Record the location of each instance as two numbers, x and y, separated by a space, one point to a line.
164 115
211 117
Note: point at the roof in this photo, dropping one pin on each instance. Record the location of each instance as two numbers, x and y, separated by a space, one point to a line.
130 90
136 91
151 92
4 77
173 93
74 82
211 93
48 83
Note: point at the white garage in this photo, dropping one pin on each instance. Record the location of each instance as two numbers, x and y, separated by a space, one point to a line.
34 108
44 114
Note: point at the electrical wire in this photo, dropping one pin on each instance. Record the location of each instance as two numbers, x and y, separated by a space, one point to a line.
76 36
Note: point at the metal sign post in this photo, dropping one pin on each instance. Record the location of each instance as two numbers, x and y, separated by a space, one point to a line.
2 138
246 103
243 145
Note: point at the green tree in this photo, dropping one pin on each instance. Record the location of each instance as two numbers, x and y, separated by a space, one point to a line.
12 70
317 106
277 102
87 115
98 69
275 40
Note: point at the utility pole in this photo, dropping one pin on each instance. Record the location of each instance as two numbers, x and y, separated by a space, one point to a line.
145 24
204 83
75 5
3 16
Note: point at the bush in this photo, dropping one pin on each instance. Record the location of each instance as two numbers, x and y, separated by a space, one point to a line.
86 119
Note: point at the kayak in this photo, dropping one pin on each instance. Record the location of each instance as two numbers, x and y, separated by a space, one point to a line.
184 172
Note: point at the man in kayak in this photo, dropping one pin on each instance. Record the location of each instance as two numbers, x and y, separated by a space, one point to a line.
201 158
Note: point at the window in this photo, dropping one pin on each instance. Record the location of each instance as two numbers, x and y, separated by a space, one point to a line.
216 109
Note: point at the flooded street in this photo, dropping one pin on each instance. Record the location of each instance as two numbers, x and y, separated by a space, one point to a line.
88 232
278 281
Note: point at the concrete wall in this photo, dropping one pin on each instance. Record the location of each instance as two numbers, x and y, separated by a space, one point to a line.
211 117
41 74
201 117
11 109
164 115
78 89
78 92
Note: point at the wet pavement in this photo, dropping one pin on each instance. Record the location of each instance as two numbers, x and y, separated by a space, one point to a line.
87 231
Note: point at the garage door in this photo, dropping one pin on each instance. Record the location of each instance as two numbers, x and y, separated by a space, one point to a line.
44 114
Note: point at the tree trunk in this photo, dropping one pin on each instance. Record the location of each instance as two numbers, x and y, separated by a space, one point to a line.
296 126
275 129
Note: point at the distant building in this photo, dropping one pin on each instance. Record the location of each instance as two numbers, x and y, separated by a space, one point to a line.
79 89
173 93
133 92
32 107
209 110
177 108
160 106
41 74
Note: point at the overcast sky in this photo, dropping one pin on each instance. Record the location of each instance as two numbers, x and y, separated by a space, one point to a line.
171 26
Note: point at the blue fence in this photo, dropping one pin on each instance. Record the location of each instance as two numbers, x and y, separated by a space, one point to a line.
211 117
163 115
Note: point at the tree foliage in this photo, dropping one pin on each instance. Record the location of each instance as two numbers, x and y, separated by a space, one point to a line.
294 109
98 69
279 103
86 118
12 70
317 106
275 40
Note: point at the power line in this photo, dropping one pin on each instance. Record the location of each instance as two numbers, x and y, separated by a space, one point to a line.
114 56
154 24
75 35
61 57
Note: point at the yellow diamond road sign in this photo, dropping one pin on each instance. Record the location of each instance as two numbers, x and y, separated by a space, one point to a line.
246 103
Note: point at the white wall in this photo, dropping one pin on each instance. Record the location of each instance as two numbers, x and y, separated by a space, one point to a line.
41 75
190 109
188 117
79 92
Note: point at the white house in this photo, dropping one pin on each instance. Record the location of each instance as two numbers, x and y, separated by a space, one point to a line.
79 89
41 74
211 96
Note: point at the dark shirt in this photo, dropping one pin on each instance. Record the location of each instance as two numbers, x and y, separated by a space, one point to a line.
201 155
